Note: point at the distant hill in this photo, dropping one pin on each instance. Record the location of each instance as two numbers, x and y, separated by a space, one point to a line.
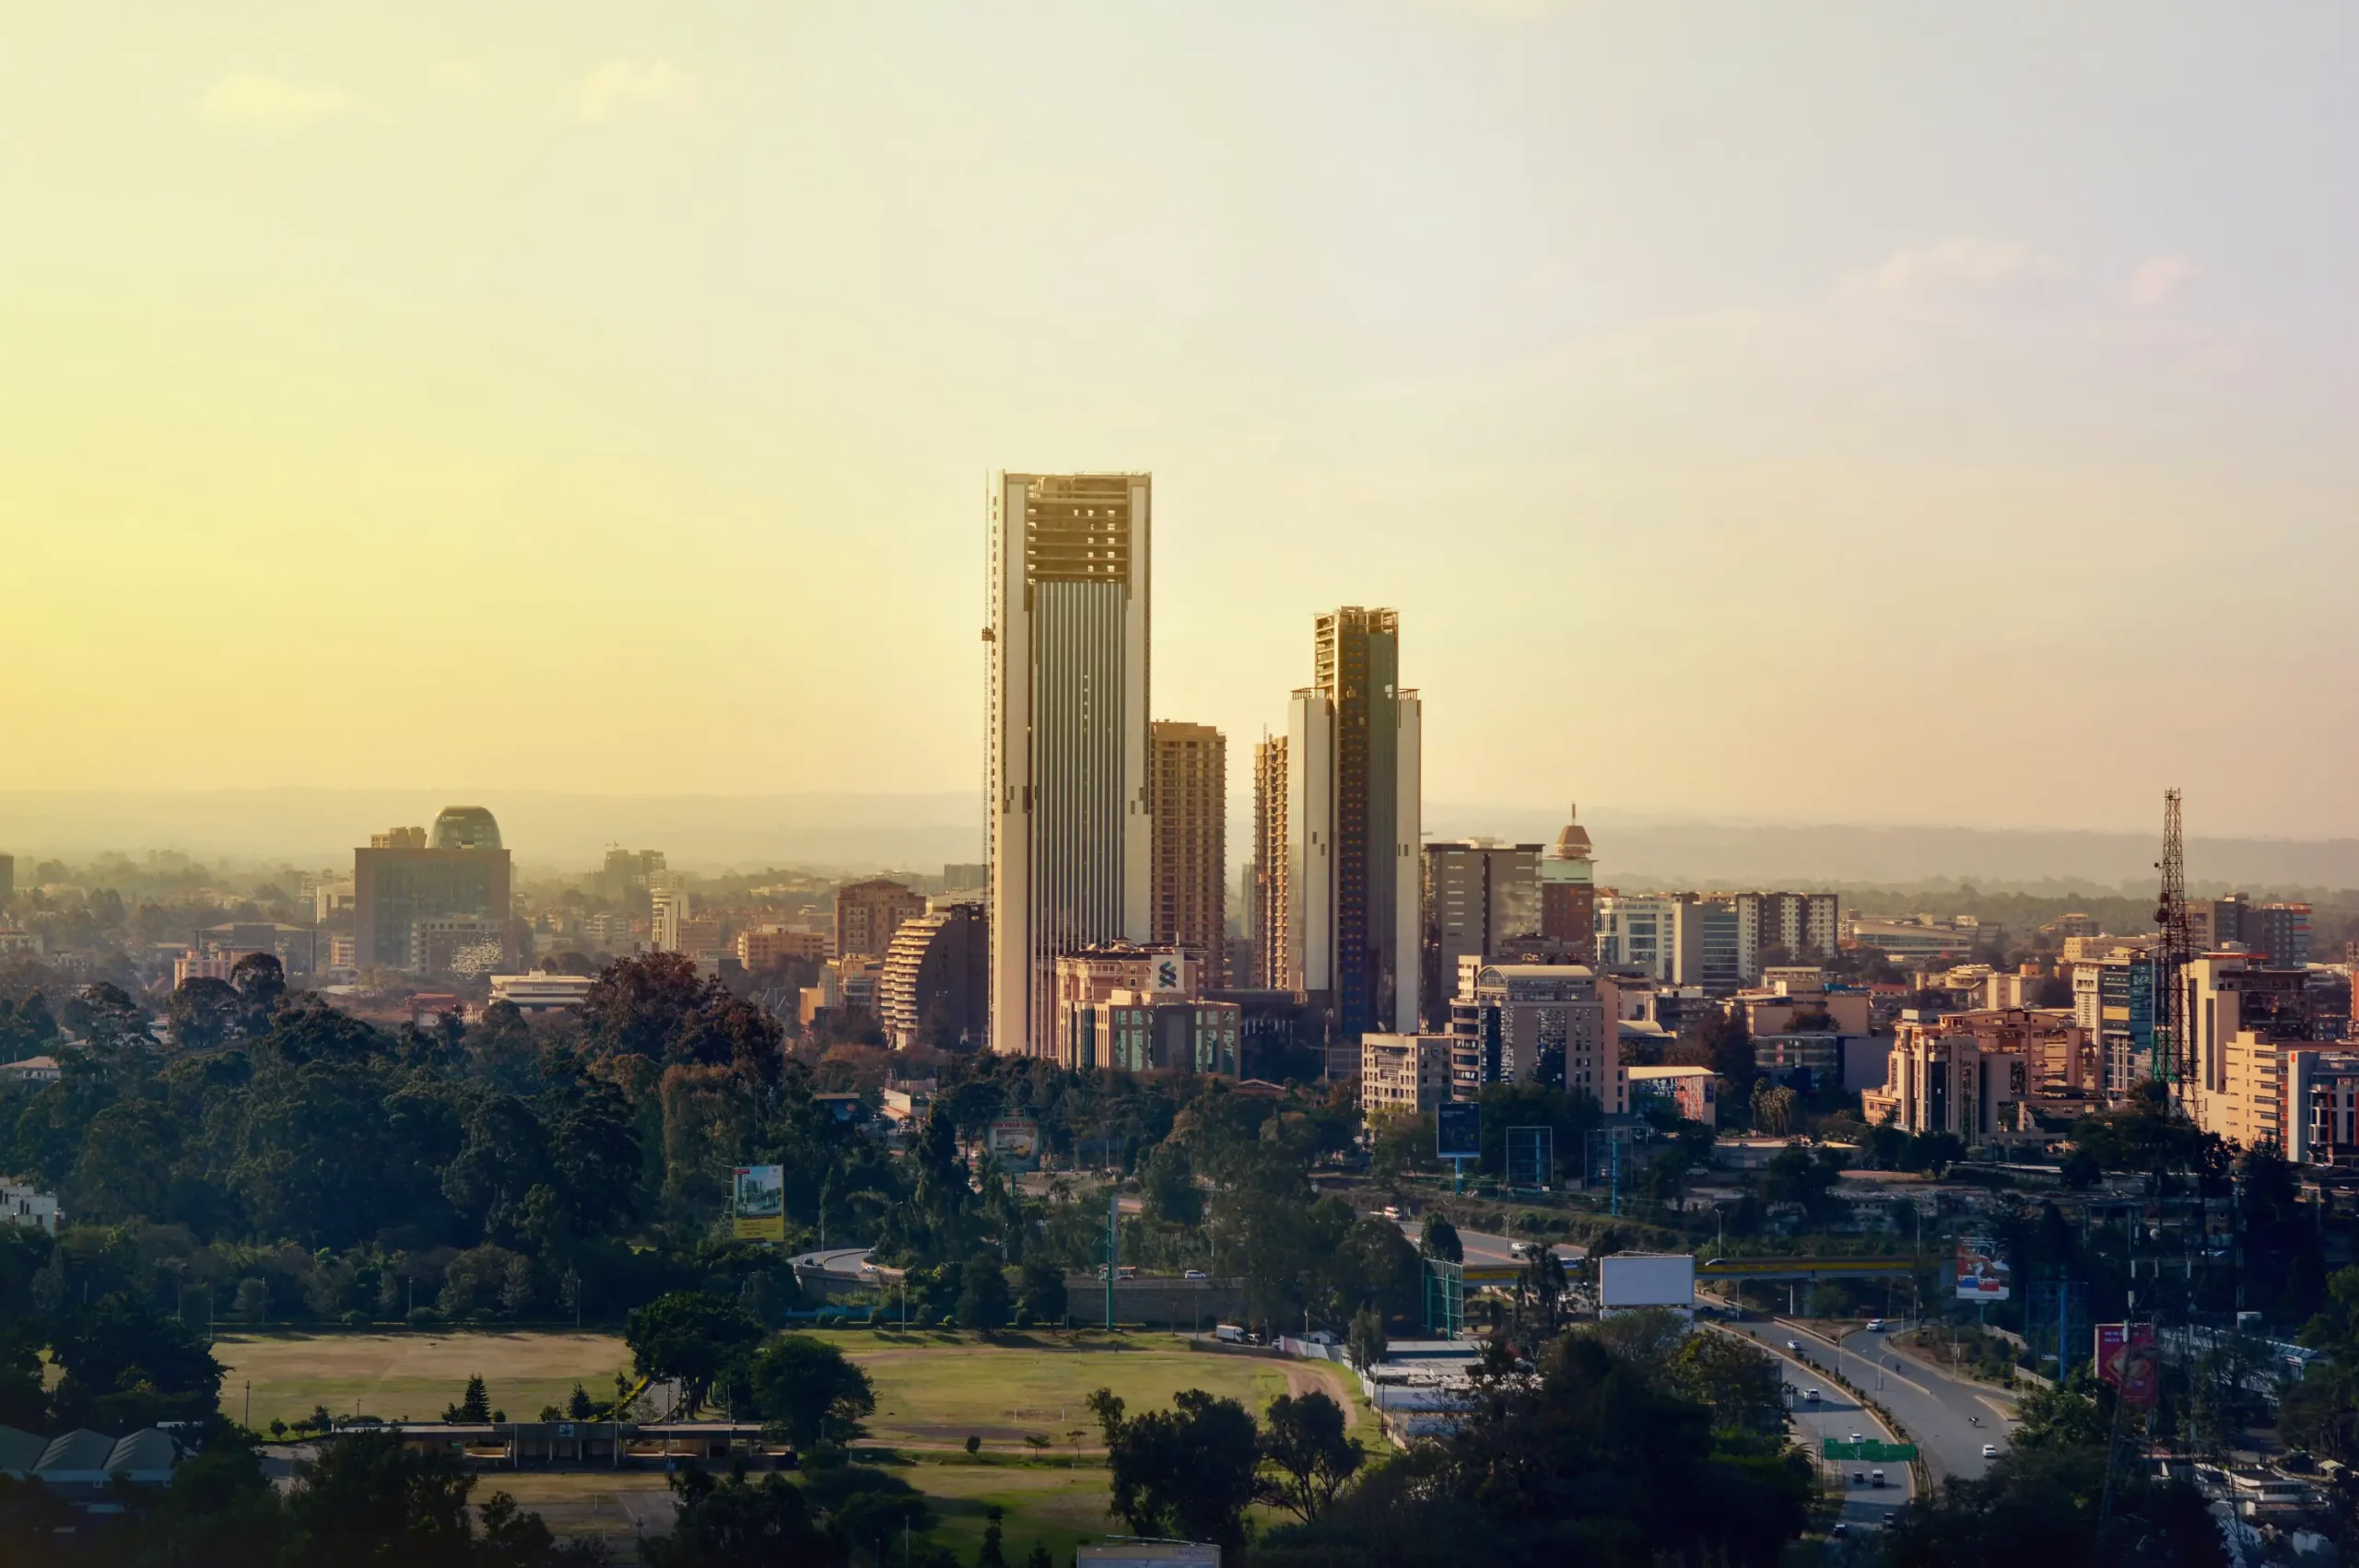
554 832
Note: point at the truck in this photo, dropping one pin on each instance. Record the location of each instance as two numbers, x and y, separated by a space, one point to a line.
1228 1334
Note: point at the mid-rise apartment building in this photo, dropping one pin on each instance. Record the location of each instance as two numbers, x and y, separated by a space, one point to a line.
1269 922
1415 1074
868 913
1638 933
936 977
760 948
1543 1023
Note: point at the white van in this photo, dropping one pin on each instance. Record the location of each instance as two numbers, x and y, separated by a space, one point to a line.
1228 1334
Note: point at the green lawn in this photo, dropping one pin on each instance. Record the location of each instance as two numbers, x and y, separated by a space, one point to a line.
933 1390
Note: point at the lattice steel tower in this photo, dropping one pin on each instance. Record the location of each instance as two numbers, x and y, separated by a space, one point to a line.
2174 1034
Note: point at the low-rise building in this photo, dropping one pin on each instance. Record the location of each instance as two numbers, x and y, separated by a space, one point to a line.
1412 1075
21 1204
1088 977
32 1072
1695 1091
766 947
1531 1023
1981 1075
541 992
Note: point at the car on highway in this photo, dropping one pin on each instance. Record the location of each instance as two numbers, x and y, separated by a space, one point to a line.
1811 1395
1193 1274
1990 1450
1518 1249
1876 1477
1795 1346
1875 1325
1393 1211
1858 1478
1837 1529
1859 1437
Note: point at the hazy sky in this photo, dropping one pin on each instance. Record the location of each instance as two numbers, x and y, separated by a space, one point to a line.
1865 412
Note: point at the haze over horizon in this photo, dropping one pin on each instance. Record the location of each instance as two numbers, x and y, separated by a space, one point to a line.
1805 416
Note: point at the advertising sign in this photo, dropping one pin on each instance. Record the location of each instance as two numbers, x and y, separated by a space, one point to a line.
1982 1274
1458 1130
1016 1140
2128 1358
760 1193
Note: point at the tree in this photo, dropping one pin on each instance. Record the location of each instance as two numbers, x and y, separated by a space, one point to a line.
505 1154
691 1338
127 1365
202 1011
638 1005
1169 1194
1365 1344
474 1405
809 1389
1186 1472
983 1299
260 981
991 1556
739 1520
1303 1440
1439 1238
1044 1296
368 1498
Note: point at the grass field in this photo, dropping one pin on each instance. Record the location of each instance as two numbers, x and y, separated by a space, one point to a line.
411 1375
933 1390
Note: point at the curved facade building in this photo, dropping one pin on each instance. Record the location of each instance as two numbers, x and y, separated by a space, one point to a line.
936 977
466 827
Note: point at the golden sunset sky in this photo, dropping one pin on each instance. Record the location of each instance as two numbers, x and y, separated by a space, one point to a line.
1875 413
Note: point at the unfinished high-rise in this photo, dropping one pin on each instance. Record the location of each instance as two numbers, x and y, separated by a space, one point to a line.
1189 902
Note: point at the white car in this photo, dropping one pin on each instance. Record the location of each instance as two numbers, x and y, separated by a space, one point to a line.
1990 1450
1811 1395
1193 1274
1795 1346
1875 1325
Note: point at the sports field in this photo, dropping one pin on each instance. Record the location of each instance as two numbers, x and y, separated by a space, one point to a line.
1021 1394
410 1376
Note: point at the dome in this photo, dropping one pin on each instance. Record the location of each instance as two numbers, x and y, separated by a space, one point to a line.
466 827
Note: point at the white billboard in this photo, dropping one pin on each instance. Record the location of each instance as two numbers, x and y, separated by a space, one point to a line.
1644 1278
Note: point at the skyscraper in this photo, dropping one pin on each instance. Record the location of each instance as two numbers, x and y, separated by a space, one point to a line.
1189 906
1071 802
399 883
1353 808
1269 919
1478 892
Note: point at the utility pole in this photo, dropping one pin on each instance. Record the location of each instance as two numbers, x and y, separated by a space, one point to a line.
1113 1245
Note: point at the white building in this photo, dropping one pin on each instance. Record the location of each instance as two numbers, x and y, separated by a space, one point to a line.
1069 805
541 993
20 1205
1638 931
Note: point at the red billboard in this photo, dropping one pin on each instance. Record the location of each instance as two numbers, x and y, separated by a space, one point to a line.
2128 1358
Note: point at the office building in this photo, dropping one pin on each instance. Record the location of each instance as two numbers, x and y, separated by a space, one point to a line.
1189 903
1922 937
457 945
667 913
1269 920
965 876
400 881
1568 892
762 948
1477 893
2114 999
934 988
1797 923
868 913
1415 1074
2318 1092
1693 1091
2278 932
1157 1031
537 992
1636 934
2242 1014
1707 941
1069 797
1353 798
1081 980
630 875
1543 1024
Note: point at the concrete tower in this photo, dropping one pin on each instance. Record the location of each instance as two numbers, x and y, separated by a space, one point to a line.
1070 807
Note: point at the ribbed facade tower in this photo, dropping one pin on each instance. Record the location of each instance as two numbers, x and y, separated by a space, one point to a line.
1069 797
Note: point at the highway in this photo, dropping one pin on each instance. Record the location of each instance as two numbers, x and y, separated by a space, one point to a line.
1834 1416
1940 1412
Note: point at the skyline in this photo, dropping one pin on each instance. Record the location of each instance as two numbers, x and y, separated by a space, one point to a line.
562 398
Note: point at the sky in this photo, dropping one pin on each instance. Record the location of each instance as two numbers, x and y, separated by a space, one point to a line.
1869 413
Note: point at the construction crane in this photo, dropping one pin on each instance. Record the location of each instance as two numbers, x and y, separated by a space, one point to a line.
2173 1053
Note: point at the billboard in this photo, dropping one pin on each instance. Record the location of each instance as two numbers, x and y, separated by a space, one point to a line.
1637 1279
1458 1130
760 1203
1016 1140
1982 1272
2128 1358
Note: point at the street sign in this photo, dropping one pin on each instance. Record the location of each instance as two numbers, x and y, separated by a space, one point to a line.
1872 1452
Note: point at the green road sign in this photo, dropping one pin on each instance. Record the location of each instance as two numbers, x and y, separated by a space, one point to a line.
1872 1452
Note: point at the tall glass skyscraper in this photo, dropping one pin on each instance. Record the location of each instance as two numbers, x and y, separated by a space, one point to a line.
1070 808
